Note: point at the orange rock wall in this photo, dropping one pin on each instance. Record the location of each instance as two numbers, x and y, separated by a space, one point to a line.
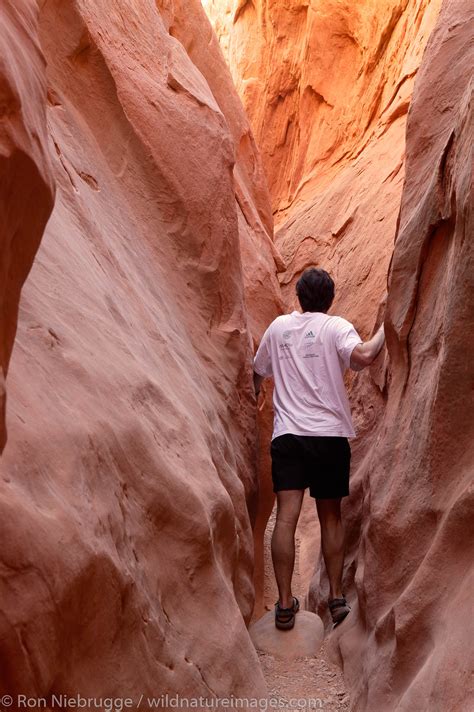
128 484
343 214
319 78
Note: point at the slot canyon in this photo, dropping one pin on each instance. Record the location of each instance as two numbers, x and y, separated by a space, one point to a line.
168 169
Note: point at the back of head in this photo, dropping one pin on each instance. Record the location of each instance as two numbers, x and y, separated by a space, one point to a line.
315 290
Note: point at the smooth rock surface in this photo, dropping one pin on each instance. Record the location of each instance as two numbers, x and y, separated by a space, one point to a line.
305 638
128 483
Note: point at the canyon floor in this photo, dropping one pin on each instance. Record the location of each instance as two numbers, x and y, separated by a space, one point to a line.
317 680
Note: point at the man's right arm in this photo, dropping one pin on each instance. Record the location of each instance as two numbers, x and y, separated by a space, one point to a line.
364 354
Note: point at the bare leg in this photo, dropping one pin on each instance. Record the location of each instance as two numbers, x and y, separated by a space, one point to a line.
283 542
332 542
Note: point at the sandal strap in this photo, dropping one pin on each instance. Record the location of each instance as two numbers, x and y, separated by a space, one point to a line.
284 610
284 614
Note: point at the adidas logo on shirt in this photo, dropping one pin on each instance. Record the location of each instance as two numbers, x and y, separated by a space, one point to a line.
309 335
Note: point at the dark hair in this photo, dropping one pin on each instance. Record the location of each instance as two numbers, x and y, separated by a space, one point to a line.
315 290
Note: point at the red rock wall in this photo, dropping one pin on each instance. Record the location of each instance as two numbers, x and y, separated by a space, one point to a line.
411 636
129 471
335 167
26 190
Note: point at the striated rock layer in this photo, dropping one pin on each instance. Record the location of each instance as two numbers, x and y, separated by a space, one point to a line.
128 475
335 167
410 641
344 213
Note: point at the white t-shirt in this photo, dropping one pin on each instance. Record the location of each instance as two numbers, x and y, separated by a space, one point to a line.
307 355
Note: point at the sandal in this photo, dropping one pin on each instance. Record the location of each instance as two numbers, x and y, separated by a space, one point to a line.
339 609
285 617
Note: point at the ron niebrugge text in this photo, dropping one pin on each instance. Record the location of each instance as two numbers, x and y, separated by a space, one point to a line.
164 702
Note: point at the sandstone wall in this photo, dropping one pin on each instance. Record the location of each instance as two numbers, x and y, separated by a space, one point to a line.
319 78
336 174
129 472
26 190
343 214
409 644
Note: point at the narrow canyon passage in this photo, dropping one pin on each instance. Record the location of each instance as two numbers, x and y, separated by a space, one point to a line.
168 168
327 90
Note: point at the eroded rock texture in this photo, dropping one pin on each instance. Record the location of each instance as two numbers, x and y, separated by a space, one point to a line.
129 472
410 647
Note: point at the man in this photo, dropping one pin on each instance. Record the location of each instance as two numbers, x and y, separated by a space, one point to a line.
307 354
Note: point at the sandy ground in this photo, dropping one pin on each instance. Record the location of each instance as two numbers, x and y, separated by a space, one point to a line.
316 680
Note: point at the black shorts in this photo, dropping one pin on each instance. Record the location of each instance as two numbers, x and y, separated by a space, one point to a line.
321 463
